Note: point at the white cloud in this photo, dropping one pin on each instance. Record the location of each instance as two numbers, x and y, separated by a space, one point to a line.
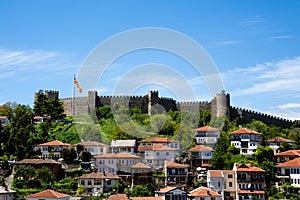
278 37
228 42
289 105
26 62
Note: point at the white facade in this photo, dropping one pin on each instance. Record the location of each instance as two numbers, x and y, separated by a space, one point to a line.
158 154
207 135
116 162
123 146
94 148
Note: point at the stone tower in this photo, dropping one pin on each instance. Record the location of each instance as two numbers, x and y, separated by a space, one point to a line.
51 94
220 105
92 101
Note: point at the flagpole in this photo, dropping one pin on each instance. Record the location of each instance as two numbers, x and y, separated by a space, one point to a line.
73 106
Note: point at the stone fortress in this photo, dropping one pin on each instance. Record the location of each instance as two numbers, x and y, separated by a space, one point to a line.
219 106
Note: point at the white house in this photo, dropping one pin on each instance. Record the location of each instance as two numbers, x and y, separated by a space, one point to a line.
123 146
203 193
207 135
98 182
6 194
200 155
164 141
289 172
113 162
48 195
156 154
171 193
54 147
94 147
275 143
246 140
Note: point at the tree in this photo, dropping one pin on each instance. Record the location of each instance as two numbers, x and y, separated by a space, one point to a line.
265 160
69 155
45 176
86 156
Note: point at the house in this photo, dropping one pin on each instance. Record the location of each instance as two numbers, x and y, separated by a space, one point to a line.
54 166
141 174
116 162
286 156
94 147
125 197
171 193
123 146
98 182
200 156
275 143
203 193
164 141
246 140
4 121
175 173
48 195
156 154
207 135
250 181
289 171
52 149
223 182
6 194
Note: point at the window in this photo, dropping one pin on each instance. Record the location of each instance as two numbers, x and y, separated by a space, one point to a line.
230 184
230 176
157 153
219 184
167 153
89 182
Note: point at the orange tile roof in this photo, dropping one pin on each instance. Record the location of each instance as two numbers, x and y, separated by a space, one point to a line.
140 166
279 139
157 140
118 197
204 192
245 131
155 147
54 143
92 143
206 129
251 192
291 163
36 161
248 168
173 164
99 175
289 153
48 194
201 148
117 155
215 173
166 189
146 198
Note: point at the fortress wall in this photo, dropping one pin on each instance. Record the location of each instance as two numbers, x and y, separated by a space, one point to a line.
81 105
193 106
246 116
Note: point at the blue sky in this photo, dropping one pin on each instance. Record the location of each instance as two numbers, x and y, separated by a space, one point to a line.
254 44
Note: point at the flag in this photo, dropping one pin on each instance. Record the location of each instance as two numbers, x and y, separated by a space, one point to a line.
77 85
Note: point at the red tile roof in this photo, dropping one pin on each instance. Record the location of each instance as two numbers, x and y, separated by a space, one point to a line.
117 155
92 143
279 140
251 192
248 168
201 148
291 163
204 192
155 147
146 198
173 164
215 173
54 143
99 175
118 197
48 194
157 140
289 153
36 161
140 166
206 129
166 189
245 131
